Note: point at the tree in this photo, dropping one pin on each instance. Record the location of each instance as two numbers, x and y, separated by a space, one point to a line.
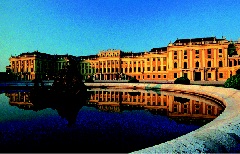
232 49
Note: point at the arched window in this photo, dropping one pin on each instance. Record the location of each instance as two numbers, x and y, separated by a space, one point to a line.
209 64
175 65
197 64
185 65
220 64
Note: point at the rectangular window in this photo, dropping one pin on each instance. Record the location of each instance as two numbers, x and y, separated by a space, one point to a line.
220 51
185 52
153 76
139 69
158 59
175 75
159 76
196 51
165 76
153 68
197 56
209 51
175 52
185 57
148 76
159 68
148 59
153 59
148 68
209 56
220 75
175 57
209 75
164 68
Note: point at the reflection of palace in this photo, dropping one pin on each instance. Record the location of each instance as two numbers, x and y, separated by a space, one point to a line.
203 59
21 100
160 103
116 101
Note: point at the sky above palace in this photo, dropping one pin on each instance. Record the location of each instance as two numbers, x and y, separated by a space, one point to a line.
85 27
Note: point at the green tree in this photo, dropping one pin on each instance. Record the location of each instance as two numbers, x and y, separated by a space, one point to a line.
232 49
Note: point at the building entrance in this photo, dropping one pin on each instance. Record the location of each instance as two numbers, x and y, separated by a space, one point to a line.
197 76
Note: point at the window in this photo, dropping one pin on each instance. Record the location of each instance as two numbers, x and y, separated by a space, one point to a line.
230 63
159 76
158 58
197 56
196 51
185 52
209 75
175 65
209 51
164 76
220 64
153 68
148 76
148 68
197 64
147 59
220 51
153 76
134 69
159 68
164 68
209 56
209 64
153 59
235 62
175 57
220 75
175 75
175 52
185 65
139 69
185 57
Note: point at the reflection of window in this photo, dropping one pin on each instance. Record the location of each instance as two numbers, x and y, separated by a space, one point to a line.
175 108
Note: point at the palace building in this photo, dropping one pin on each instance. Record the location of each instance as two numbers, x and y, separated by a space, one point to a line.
205 59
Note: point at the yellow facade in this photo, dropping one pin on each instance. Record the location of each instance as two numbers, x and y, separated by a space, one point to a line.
204 59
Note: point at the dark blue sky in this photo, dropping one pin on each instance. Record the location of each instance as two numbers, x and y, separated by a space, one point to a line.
83 27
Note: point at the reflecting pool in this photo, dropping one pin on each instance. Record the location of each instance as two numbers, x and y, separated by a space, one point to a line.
110 120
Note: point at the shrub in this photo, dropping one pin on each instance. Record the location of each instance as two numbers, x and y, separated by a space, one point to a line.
133 80
182 80
89 80
233 82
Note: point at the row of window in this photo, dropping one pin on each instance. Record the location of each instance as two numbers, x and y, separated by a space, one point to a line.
209 64
209 51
